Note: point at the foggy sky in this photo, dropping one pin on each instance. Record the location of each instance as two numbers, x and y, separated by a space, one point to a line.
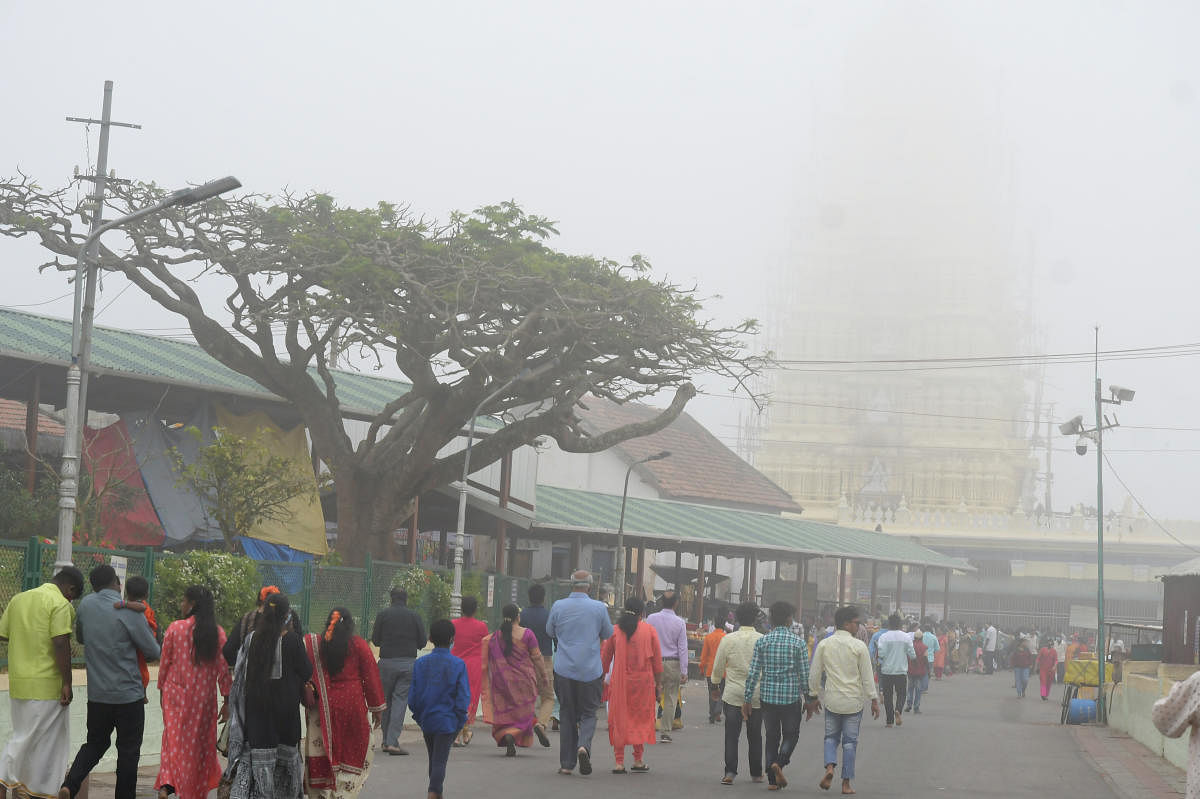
693 133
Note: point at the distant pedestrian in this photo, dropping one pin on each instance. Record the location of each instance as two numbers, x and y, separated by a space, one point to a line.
780 666
895 648
708 652
918 674
37 624
115 690
469 633
580 624
440 695
1060 648
989 649
672 636
1047 661
731 667
632 659
248 622
399 633
1021 660
939 657
843 666
534 618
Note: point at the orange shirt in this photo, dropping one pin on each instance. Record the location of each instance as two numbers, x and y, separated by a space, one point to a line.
708 652
142 658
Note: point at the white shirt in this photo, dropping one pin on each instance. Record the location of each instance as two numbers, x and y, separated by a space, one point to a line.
849 680
989 639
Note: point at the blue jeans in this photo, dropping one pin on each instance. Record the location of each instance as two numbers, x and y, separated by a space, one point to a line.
842 728
1021 675
916 687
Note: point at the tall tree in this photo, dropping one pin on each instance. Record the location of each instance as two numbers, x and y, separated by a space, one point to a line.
460 309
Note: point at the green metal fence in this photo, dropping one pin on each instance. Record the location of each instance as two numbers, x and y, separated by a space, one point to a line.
313 589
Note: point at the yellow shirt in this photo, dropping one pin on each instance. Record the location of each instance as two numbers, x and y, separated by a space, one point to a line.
29 623
849 680
732 664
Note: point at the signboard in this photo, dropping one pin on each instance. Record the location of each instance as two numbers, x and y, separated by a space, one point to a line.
491 590
1083 617
120 566
513 597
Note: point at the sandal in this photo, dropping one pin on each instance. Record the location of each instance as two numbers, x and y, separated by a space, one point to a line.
619 770
640 769
540 732
727 780
566 772
467 735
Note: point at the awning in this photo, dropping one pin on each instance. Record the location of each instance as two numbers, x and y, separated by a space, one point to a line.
684 524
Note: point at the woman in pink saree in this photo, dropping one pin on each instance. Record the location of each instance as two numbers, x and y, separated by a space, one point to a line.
514 674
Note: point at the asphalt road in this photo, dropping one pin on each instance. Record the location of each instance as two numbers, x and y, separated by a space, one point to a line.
974 738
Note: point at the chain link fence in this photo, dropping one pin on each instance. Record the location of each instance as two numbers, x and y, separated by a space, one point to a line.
313 589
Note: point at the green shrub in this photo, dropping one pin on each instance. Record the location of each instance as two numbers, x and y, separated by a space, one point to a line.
233 580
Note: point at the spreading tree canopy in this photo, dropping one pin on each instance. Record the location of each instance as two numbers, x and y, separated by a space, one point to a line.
459 308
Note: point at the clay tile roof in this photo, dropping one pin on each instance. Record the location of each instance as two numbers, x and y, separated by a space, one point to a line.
700 469
12 417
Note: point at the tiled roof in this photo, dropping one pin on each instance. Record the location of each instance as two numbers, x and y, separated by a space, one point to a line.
43 339
700 468
12 417
688 523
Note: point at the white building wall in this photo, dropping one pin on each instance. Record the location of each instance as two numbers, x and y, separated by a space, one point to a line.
599 471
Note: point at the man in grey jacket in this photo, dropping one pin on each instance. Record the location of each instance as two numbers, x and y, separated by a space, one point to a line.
112 636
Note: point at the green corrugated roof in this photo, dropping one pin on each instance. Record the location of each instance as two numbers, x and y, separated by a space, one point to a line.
44 339
668 521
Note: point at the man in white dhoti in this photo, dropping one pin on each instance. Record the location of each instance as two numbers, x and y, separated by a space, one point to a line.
37 625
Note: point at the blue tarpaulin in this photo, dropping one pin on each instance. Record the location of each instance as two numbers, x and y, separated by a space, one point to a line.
289 579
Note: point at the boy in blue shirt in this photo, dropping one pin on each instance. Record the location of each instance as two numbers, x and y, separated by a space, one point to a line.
438 700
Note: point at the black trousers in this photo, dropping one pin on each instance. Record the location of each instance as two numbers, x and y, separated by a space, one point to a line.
894 688
129 721
437 745
989 661
783 730
754 742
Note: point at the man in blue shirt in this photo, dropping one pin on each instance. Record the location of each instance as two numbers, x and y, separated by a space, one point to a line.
112 638
580 624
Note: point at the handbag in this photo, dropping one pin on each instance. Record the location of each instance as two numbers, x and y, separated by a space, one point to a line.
308 695
223 738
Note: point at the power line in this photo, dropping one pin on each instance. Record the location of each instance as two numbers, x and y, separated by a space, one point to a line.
36 304
1035 358
1138 502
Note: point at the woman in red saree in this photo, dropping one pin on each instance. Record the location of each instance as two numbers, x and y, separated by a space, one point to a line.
514 674
189 667
1047 665
338 745
469 633
632 660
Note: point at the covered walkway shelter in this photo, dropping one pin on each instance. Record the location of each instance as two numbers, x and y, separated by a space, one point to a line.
579 517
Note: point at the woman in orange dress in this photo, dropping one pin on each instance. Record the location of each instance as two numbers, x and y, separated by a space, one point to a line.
189 669
469 633
632 660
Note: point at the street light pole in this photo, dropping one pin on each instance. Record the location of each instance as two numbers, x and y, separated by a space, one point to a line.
1103 653
658 456
81 340
460 538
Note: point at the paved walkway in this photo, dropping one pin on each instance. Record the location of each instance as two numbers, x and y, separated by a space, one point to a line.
973 739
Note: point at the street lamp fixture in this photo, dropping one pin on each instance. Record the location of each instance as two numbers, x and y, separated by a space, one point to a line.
81 345
460 538
1075 427
658 456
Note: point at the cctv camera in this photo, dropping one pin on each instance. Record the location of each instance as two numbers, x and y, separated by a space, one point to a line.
1072 427
1121 394
1081 445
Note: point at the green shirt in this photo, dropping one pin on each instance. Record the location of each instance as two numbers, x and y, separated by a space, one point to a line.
29 623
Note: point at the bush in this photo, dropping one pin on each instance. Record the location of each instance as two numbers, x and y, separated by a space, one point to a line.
426 590
233 580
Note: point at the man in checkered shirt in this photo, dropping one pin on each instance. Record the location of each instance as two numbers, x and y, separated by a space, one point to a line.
780 664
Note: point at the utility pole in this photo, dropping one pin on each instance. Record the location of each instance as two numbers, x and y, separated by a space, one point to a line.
1049 458
83 310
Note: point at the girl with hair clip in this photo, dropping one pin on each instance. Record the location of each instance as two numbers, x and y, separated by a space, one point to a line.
264 705
514 674
190 667
340 745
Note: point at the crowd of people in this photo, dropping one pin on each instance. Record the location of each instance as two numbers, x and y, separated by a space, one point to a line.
299 710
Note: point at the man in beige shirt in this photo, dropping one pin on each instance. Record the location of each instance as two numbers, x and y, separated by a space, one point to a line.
842 660
732 665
